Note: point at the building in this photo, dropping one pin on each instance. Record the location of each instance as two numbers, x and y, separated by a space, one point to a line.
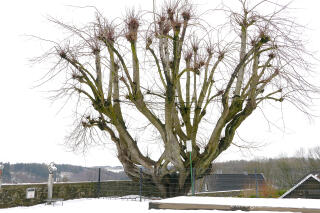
232 182
307 187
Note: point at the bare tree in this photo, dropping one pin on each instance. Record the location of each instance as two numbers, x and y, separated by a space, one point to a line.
314 158
183 79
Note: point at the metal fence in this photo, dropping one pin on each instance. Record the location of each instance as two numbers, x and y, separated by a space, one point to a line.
208 184
237 184
99 183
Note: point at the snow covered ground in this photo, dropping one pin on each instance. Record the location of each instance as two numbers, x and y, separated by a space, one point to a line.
104 204
270 202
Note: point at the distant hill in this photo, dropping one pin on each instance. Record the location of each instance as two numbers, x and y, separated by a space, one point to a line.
37 173
281 172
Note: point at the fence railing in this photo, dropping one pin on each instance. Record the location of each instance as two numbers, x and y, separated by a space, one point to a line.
207 183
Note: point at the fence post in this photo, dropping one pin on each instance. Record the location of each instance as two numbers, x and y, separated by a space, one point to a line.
99 180
140 188
1 168
189 149
52 168
194 180
257 191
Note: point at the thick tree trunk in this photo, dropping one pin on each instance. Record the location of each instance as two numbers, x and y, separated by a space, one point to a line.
169 185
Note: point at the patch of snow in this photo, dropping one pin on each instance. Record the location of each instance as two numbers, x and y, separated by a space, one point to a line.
268 202
214 192
10 184
115 170
105 205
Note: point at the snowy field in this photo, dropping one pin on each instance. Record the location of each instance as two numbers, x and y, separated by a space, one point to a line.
270 202
105 205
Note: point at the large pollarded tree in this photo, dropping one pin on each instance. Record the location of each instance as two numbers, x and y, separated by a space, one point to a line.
181 75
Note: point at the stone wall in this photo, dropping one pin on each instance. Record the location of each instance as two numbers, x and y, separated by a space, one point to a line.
15 195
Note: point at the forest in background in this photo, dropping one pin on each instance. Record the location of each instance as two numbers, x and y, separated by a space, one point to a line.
282 172
38 173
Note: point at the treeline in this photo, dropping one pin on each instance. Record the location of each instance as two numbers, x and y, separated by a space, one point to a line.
282 172
37 173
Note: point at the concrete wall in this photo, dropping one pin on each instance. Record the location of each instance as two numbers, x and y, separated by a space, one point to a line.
234 193
15 195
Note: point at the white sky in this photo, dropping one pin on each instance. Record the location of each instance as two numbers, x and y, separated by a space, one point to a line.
32 129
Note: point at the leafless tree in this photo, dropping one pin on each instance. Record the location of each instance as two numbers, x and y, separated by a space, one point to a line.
314 158
189 80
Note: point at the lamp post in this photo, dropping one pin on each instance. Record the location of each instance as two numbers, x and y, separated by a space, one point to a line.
189 149
1 168
52 168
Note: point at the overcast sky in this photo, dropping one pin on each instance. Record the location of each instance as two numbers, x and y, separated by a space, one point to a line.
32 129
